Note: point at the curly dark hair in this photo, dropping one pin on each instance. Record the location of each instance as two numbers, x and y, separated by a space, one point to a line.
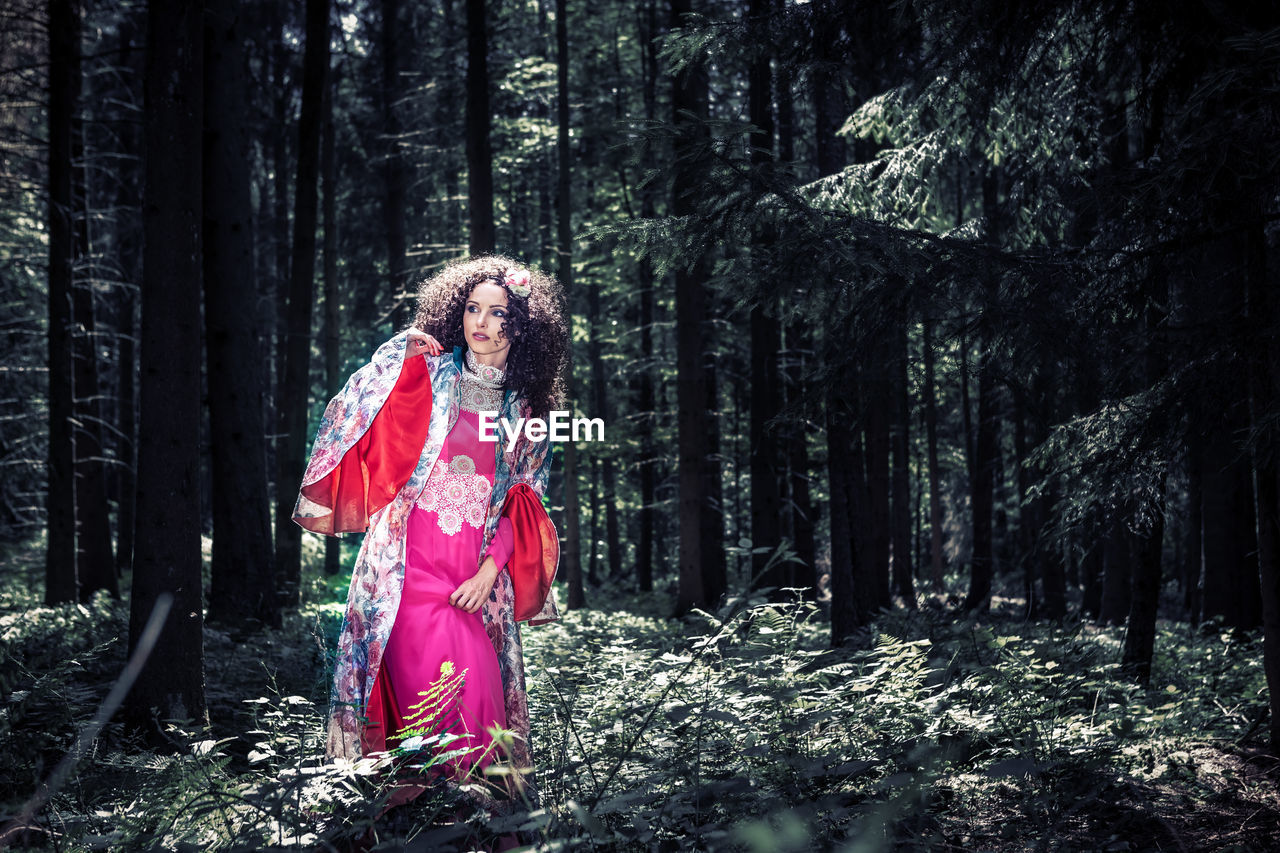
535 324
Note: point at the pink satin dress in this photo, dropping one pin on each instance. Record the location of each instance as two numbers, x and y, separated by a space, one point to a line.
439 658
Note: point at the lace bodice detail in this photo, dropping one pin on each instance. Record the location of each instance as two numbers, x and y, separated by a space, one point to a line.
460 483
457 494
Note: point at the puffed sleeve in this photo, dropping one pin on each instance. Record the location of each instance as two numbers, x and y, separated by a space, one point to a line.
536 550
368 444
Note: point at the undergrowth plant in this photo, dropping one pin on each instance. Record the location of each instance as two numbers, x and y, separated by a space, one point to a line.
740 730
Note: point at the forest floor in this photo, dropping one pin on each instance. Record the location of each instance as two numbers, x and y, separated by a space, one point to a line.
739 731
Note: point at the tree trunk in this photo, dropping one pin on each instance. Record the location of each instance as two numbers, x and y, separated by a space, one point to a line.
1267 492
935 473
295 394
167 558
1193 558
829 104
877 401
902 562
966 412
766 449
1144 599
647 405
394 172
1054 589
694 382
1116 570
848 603
242 591
866 577
593 528
1053 562
572 554
647 400
982 496
479 152
332 339
1021 478
1147 547
129 197
608 485
1264 386
1228 524
715 568
1091 567
800 511
1247 604
61 582
612 535
282 88
95 563
986 448
127 442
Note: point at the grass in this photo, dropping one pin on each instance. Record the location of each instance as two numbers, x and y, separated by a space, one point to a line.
733 731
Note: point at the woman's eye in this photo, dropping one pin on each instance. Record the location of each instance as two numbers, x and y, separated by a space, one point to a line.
472 309
499 313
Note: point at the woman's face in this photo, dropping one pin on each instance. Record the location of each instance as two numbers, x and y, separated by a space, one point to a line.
482 320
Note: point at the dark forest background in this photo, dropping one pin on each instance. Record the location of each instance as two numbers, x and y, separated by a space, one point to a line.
935 342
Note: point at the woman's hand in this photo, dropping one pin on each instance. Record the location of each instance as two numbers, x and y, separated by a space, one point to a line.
420 343
473 591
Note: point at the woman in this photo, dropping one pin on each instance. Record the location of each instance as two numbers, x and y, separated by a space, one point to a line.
459 548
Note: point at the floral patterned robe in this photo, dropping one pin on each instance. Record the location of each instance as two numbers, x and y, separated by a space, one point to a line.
378 575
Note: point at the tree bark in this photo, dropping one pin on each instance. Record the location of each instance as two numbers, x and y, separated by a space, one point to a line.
242 589
901 485
699 520
800 510
126 482
572 554
647 404
848 605
935 473
986 449
766 450
332 300
1147 545
167 557
982 496
282 88
394 172
61 581
129 197
1053 562
1229 536
1193 558
294 396
1268 498
95 563
647 399
1264 386
1023 535
828 102
1116 571
479 151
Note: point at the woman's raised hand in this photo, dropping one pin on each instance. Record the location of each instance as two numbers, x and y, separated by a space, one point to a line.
420 343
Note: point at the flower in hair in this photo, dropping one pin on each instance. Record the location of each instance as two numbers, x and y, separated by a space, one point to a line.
517 281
